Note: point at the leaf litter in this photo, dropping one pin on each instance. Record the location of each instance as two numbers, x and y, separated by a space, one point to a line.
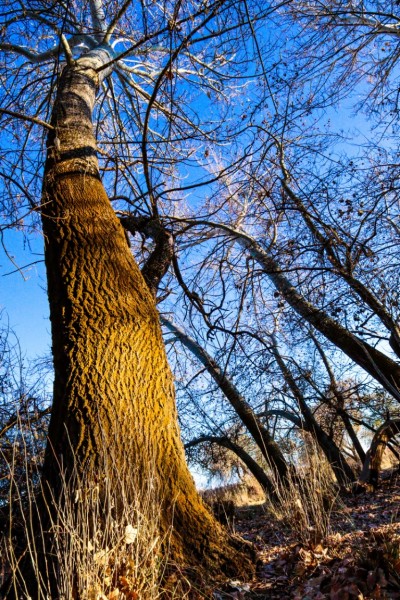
359 560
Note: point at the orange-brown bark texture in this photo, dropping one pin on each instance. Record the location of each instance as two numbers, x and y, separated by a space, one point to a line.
113 391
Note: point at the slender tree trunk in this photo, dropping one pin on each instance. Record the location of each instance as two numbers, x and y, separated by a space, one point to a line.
267 445
385 370
352 434
343 472
258 473
346 272
340 401
373 461
113 391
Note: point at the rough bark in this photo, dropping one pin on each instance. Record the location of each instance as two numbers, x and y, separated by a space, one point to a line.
160 258
113 391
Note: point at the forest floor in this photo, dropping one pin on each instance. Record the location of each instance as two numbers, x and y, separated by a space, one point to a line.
359 559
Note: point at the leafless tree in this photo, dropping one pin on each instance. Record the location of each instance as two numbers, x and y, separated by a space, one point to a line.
121 82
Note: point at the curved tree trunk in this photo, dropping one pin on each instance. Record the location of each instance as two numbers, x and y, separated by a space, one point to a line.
264 440
114 400
373 461
258 472
342 470
382 368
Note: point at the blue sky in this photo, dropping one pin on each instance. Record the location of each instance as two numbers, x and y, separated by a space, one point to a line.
23 298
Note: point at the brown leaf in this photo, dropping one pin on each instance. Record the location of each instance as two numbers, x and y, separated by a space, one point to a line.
123 581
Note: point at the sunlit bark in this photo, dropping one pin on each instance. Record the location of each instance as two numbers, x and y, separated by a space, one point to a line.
113 390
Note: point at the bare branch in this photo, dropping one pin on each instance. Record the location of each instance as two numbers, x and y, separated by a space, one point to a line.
34 120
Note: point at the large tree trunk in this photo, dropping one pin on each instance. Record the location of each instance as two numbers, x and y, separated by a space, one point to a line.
114 412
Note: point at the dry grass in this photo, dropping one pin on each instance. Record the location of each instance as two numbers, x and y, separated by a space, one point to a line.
306 503
105 547
241 494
